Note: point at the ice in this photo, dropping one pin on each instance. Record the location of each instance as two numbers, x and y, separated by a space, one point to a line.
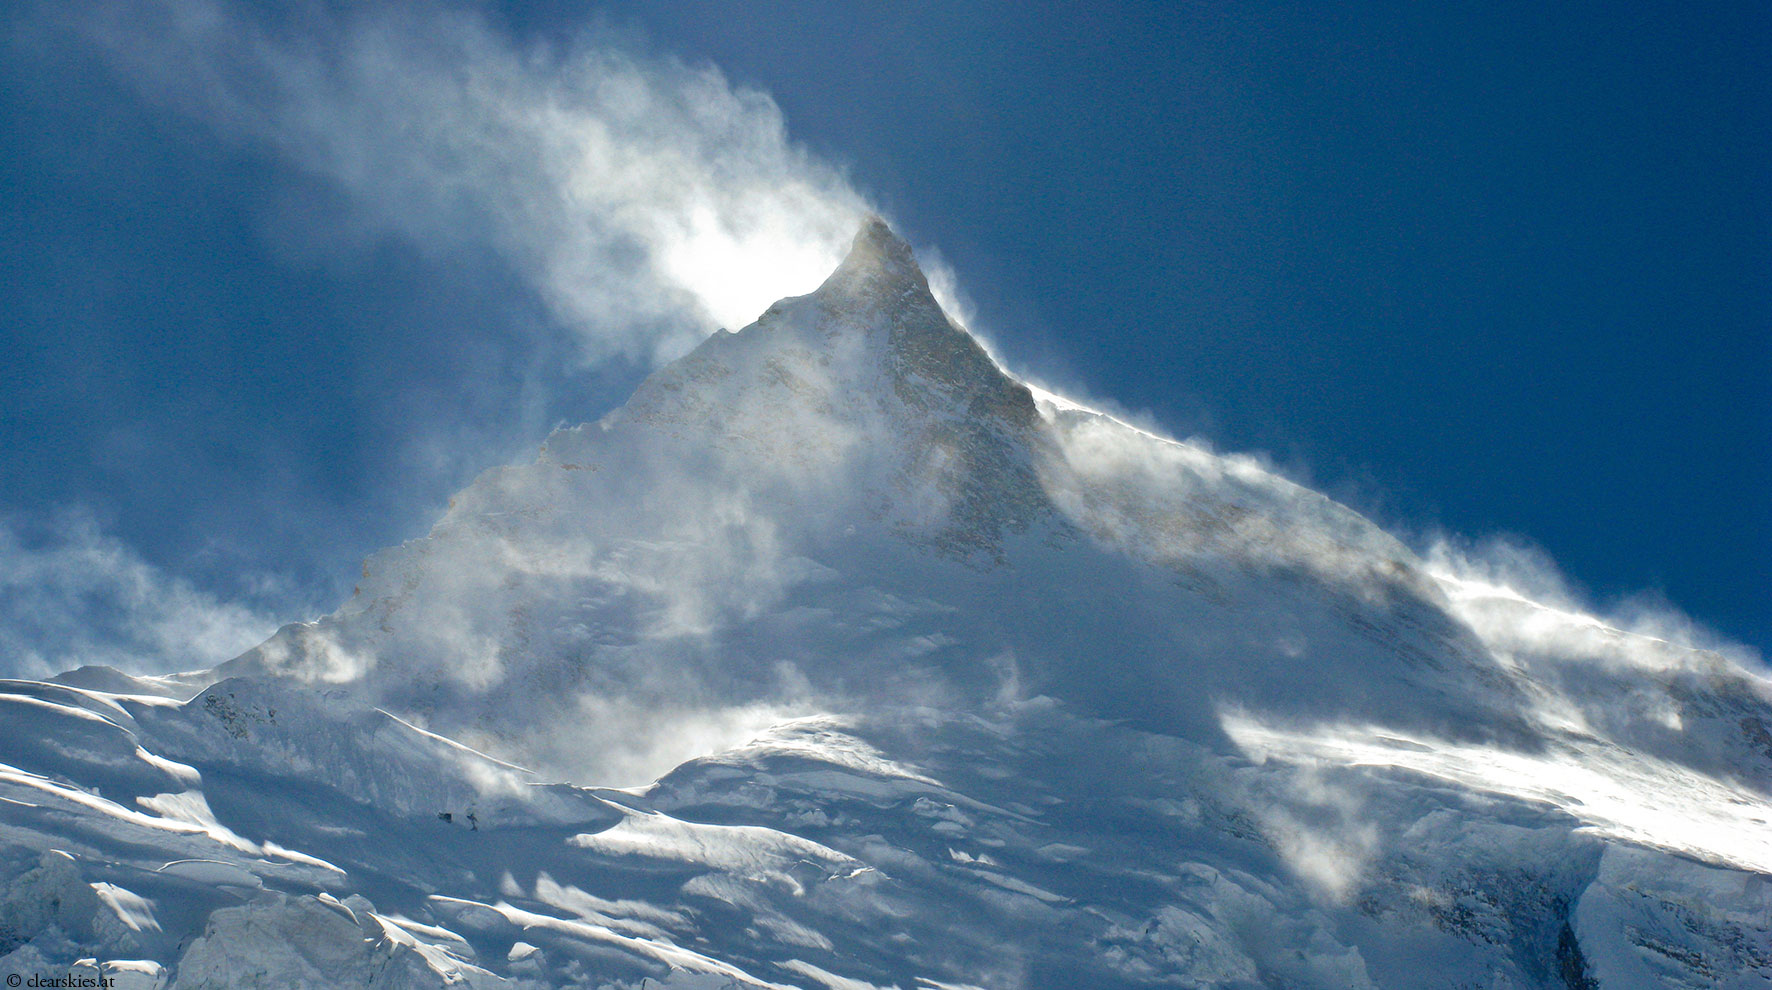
131 908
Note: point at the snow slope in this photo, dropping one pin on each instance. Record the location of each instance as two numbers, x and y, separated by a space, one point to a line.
839 658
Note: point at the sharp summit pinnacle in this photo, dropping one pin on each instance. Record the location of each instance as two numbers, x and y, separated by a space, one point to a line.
876 256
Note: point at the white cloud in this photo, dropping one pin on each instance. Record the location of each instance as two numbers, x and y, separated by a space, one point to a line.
645 200
84 597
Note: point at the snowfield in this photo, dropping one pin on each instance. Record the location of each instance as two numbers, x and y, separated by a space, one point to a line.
838 658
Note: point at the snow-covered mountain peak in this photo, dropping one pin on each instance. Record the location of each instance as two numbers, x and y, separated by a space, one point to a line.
938 683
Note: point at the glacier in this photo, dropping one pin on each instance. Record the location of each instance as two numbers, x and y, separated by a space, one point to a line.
839 658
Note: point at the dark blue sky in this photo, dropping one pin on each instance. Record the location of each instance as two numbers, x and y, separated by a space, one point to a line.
1487 268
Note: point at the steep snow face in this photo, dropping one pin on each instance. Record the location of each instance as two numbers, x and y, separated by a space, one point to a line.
926 679
847 504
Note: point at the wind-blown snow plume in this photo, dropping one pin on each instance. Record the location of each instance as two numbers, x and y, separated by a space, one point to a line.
1515 598
84 597
645 200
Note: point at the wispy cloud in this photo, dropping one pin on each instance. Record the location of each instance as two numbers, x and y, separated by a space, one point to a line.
645 200
79 596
